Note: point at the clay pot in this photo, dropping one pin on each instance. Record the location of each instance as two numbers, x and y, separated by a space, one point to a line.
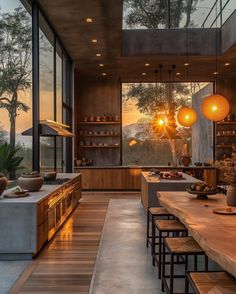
231 195
50 175
186 160
3 183
31 182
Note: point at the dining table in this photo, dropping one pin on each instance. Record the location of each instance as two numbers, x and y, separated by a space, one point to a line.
215 233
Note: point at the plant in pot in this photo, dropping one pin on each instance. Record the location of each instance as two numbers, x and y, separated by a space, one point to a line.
228 168
9 162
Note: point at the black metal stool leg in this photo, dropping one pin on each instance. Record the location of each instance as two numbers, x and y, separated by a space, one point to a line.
147 228
195 263
171 273
186 284
153 242
163 267
206 263
159 254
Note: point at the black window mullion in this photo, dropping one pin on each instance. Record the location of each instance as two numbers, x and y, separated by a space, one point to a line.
35 87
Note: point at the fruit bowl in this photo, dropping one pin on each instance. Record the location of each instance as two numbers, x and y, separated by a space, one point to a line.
202 194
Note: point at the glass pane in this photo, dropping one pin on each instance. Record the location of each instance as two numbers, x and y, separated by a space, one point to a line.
191 13
151 134
59 83
59 154
152 14
47 153
46 71
16 69
228 9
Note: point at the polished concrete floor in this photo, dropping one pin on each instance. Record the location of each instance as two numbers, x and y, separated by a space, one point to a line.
9 273
123 263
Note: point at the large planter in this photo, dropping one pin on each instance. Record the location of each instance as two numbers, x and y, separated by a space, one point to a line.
231 195
3 183
31 182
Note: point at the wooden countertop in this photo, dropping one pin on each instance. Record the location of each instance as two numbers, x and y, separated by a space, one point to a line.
145 167
216 234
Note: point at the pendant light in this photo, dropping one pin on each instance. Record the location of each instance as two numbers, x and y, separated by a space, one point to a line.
215 107
187 116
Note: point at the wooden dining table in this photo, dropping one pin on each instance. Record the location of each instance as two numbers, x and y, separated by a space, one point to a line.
215 233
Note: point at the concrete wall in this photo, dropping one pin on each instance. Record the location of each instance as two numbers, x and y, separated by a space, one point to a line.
229 33
169 42
202 130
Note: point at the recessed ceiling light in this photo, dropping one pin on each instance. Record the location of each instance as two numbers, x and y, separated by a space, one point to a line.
215 73
98 54
143 74
89 20
186 64
227 63
104 74
147 64
94 40
101 64
178 73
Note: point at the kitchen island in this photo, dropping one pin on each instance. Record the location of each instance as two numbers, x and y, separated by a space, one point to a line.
151 184
27 223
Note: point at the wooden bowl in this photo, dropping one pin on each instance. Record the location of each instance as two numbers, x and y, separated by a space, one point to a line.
202 194
50 176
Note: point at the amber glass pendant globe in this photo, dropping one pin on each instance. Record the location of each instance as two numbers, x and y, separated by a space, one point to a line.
186 116
215 107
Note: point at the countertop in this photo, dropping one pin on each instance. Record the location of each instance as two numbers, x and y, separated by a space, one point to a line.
154 179
143 167
45 191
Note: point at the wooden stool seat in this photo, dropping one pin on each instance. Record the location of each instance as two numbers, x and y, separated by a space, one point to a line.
212 282
159 211
170 226
183 245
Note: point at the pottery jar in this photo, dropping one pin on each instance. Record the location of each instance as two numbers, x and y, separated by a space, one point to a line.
3 183
31 182
231 195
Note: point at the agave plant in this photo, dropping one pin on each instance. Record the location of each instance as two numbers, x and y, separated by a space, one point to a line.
9 161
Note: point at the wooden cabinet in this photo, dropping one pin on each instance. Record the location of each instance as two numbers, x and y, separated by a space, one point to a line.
53 211
130 178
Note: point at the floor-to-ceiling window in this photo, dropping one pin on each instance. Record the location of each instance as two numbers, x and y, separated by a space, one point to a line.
19 76
151 134
46 90
16 80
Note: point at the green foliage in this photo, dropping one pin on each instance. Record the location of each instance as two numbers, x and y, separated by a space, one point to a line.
164 98
9 161
152 14
15 62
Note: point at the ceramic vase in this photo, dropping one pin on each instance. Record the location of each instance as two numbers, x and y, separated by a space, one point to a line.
231 195
3 183
32 182
186 160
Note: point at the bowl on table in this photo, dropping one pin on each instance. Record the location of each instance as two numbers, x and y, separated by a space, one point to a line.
50 176
202 190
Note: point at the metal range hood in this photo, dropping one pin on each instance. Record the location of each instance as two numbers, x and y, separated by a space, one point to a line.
49 128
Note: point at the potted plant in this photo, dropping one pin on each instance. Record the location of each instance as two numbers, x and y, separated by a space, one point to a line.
9 161
228 168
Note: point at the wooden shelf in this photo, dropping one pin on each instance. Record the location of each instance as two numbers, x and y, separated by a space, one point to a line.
226 123
99 123
229 135
224 146
98 146
99 135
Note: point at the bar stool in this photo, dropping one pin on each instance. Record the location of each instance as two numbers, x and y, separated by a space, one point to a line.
168 227
181 246
210 282
154 212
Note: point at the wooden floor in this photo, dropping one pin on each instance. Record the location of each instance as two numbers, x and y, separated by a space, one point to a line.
66 264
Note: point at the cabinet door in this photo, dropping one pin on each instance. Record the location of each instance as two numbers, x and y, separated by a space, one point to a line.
42 234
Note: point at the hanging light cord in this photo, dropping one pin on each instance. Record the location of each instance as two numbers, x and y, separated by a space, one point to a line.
156 72
216 50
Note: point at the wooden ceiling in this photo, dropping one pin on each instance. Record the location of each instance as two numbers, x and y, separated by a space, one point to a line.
69 20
